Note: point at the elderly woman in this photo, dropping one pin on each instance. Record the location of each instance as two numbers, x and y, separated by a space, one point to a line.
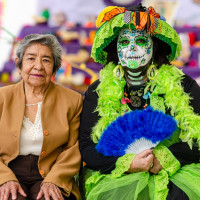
39 153
140 125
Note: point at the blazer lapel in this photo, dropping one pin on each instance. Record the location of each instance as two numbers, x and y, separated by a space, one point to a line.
20 106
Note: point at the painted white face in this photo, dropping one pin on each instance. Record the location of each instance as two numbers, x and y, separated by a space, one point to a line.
134 48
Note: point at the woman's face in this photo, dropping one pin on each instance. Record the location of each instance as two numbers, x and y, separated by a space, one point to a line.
37 65
134 48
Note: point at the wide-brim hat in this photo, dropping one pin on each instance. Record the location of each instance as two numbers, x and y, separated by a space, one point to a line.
113 19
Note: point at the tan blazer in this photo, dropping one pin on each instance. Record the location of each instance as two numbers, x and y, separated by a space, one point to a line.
60 158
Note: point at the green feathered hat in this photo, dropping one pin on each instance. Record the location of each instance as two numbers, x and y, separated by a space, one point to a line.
112 19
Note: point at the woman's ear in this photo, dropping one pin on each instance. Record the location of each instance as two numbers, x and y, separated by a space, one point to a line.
18 69
16 60
54 74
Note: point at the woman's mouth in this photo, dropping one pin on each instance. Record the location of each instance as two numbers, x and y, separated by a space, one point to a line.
134 57
37 75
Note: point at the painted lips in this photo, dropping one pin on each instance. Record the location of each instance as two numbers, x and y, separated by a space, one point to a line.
37 75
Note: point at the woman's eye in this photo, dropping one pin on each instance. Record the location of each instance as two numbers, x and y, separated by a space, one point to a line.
141 41
45 60
125 42
31 58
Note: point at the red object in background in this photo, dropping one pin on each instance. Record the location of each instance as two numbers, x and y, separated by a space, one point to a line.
192 63
89 25
192 37
88 42
87 81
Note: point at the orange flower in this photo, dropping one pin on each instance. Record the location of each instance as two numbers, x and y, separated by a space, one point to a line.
109 15
143 20
153 12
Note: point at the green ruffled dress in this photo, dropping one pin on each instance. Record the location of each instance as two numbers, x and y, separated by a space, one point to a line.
143 185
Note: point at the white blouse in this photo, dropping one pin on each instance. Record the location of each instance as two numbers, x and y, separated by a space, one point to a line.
31 135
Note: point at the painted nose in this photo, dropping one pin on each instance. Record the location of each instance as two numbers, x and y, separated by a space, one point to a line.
132 47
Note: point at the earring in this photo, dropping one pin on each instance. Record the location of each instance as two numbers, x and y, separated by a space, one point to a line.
118 71
152 71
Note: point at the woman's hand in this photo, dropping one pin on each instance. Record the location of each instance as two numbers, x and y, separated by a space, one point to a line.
156 166
11 188
50 190
142 161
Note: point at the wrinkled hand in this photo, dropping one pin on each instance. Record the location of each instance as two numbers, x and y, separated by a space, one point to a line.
156 166
50 190
142 161
11 188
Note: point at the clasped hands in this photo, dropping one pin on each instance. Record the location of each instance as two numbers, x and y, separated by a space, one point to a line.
145 162
48 190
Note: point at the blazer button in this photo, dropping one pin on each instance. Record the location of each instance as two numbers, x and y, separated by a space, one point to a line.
46 132
42 172
43 153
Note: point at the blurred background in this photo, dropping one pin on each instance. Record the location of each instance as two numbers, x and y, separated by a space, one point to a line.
73 22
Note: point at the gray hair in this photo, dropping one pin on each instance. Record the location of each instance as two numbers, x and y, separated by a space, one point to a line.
44 39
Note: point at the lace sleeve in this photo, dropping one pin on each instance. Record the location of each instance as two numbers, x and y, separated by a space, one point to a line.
122 165
167 159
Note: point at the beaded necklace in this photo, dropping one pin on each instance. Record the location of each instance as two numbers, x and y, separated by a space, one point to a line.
135 97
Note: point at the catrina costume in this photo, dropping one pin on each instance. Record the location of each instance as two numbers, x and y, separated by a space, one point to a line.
118 122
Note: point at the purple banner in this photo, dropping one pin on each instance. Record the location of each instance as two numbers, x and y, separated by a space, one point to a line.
122 3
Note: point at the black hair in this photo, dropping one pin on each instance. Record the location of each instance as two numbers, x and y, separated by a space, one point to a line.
160 52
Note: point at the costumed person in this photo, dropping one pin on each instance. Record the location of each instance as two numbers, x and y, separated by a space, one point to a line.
39 151
140 124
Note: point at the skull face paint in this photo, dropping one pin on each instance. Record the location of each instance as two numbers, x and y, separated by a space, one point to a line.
134 48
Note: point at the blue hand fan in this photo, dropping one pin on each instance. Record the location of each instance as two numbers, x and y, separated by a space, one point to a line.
136 131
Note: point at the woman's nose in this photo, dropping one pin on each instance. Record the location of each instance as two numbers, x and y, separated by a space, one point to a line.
132 47
38 64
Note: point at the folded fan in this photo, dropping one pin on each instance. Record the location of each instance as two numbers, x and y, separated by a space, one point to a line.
136 131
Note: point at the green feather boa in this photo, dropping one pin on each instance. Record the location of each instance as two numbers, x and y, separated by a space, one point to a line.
166 83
